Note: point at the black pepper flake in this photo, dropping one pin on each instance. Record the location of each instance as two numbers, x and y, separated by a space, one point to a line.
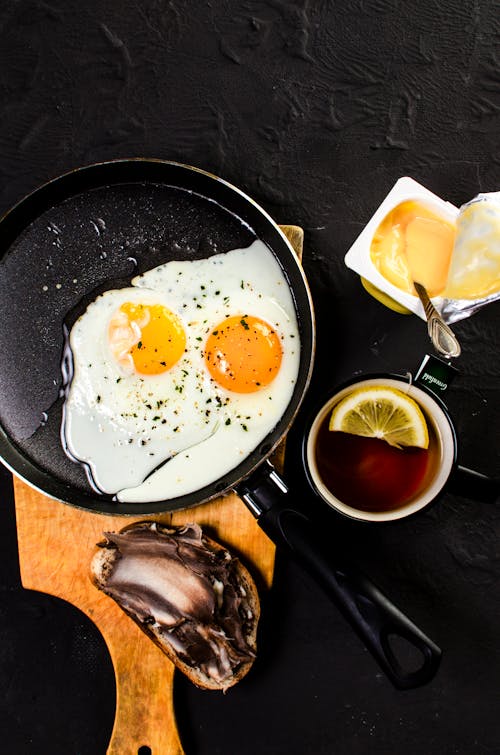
228 421
98 399
139 345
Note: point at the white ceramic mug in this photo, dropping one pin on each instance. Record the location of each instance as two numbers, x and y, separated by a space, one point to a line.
442 466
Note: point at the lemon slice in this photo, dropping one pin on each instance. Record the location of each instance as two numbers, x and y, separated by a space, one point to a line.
379 411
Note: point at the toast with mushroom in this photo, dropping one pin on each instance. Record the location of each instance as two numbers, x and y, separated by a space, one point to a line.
188 593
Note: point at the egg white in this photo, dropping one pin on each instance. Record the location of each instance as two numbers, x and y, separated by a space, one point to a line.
124 427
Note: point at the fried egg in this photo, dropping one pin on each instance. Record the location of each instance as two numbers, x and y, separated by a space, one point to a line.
177 378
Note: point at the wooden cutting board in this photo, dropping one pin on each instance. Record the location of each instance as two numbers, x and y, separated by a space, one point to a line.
56 544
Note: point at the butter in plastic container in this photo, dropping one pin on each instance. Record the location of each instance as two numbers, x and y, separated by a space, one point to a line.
414 234
359 258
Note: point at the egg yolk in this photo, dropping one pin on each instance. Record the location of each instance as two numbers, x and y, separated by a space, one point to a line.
146 338
412 243
243 354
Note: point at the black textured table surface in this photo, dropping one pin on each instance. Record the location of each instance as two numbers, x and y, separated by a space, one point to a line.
315 110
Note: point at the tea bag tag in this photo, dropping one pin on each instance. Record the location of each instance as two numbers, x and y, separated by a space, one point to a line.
435 373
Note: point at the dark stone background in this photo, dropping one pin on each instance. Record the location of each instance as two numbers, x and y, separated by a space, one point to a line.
315 109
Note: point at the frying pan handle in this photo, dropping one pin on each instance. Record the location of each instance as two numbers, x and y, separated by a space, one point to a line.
370 613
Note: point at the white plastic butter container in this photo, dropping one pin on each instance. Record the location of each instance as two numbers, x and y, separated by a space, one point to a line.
358 257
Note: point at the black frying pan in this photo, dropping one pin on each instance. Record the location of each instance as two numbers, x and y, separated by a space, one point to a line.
91 230
94 229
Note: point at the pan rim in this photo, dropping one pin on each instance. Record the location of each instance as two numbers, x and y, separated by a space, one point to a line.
23 466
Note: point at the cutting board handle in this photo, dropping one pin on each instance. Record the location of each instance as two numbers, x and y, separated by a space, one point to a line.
144 724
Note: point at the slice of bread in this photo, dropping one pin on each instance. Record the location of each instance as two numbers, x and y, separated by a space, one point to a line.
194 599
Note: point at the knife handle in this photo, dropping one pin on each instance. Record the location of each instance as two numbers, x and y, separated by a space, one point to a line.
371 614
